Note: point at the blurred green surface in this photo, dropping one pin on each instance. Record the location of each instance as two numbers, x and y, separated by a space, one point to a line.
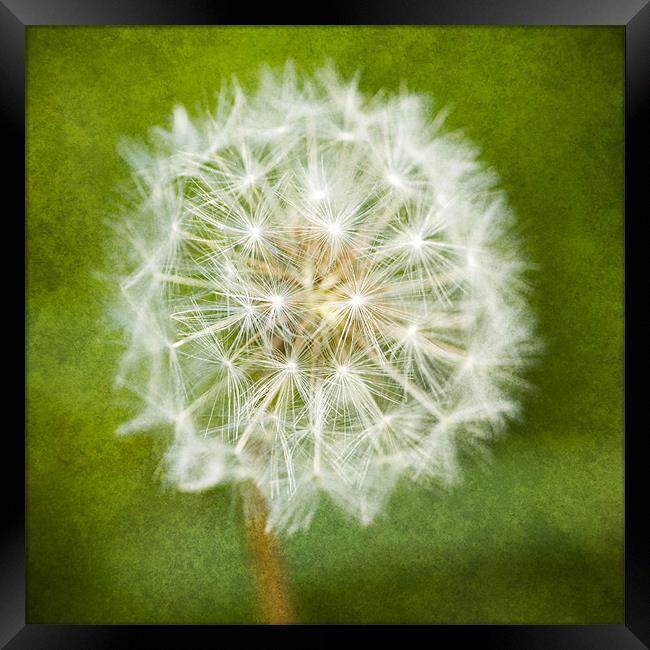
536 537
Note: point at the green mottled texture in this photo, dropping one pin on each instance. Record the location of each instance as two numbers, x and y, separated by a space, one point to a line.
536 537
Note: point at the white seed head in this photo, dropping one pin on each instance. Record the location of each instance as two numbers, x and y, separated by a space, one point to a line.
324 295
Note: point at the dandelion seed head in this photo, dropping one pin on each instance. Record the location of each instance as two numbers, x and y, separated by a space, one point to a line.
323 295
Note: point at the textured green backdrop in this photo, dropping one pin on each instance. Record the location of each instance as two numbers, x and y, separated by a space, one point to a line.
537 537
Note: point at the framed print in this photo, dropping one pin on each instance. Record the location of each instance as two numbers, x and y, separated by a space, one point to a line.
326 322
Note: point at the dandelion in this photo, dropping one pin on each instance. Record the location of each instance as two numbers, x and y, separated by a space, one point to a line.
324 297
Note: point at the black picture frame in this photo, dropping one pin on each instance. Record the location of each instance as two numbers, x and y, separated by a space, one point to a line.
16 15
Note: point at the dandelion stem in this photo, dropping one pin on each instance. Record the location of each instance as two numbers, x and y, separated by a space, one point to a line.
272 583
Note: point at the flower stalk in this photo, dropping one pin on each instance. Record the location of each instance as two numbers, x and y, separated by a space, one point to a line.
270 575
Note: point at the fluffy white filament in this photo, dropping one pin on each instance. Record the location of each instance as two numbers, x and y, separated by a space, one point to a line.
324 295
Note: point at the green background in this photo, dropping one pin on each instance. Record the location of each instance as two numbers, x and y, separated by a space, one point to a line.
535 537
